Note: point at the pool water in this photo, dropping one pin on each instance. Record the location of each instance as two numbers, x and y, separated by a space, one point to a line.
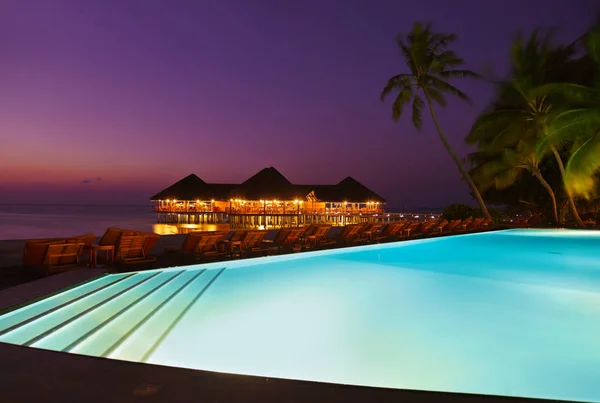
513 313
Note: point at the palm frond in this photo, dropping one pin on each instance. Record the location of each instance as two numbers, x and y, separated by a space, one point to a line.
398 82
438 42
403 98
437 96
444 86
407 54
458 74
507 178
417 108
568 126
488 125
571 93
582 167
593 44
442 61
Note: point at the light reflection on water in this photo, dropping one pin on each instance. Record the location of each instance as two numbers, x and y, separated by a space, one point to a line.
171 229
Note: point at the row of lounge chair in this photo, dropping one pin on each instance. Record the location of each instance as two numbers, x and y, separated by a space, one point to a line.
58 254
132 247
209 245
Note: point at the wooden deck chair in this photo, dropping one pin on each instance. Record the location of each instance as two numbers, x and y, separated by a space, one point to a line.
438 228
131 250
348 234
476 223
391 231
463 225
452 226
192 238
309 230
369 233
409 229
253 242
424 227
288 239
487 223
208 245
317 237
62 255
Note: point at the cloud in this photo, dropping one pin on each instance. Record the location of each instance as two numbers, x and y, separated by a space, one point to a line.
98 179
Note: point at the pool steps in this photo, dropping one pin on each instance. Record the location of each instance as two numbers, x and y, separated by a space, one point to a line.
123 316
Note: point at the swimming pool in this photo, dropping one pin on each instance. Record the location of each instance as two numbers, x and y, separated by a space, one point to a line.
513 313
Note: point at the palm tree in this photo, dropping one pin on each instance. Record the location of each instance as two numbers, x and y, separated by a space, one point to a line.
430 64
577 125
501 168
520 112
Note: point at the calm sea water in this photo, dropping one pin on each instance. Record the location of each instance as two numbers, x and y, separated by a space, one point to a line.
34 221
21 222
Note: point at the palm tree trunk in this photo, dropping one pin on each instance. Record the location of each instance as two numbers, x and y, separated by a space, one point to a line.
459 164
572 205
536 172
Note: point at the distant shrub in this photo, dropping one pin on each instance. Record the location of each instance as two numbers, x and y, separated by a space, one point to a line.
459 211
497 214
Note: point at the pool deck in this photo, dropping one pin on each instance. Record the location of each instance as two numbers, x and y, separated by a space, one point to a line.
33 375
23 293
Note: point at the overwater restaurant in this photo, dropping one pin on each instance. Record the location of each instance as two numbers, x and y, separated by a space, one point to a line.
267 199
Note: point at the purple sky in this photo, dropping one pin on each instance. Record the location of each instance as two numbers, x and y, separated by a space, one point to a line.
141 93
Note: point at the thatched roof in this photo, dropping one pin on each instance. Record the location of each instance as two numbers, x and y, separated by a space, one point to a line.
353 191
189 188
349 190
267 184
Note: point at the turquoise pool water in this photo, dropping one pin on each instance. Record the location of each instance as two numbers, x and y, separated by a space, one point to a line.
512 313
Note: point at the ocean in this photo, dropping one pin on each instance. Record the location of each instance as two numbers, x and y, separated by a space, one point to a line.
49 221
36 221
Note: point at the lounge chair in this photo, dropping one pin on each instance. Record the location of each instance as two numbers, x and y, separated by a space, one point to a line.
131 249
309 230
487 223
438 228
320 234
475 224
369 232
409 230
390 231
288 239
346 237
526 221
113 235
452 226
60 256
36 250
233 243
423 228
209 245
253 243
191 240
464 223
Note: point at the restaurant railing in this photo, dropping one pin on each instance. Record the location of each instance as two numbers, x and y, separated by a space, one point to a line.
265 211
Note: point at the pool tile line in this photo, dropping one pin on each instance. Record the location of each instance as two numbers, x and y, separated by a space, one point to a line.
64 304
120 312
146 318
180 316
85 312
